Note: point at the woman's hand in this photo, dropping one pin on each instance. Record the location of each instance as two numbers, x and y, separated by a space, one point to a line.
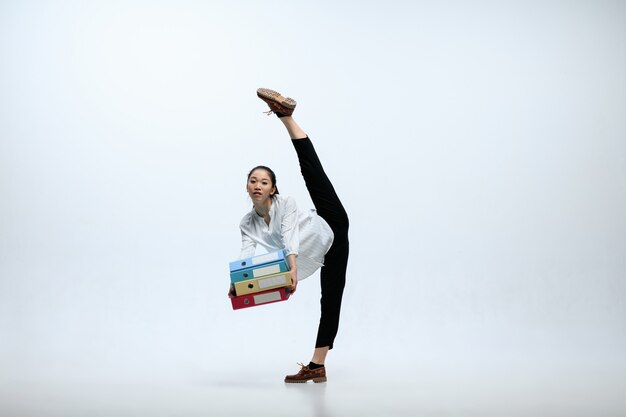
294 280
293 270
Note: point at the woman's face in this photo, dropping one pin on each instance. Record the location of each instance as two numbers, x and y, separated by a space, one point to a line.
260 186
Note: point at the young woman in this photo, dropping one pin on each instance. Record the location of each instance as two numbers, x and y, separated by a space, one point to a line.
313 239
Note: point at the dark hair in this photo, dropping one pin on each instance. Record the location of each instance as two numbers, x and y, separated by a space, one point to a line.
269 171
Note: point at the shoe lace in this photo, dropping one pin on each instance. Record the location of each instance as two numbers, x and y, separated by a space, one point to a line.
269 112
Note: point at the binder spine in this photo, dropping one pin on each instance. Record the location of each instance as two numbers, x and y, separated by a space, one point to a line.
257 260
262 298
265 283
250 273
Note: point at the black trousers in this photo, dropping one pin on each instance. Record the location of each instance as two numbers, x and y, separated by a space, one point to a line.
329 207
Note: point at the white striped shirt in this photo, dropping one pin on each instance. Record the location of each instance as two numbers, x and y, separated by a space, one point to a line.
304 234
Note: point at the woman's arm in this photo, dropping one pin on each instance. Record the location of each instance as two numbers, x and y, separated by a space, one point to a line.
294 272
290 231
289 228
248 246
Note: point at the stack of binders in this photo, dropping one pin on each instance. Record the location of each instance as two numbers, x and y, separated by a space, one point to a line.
259 280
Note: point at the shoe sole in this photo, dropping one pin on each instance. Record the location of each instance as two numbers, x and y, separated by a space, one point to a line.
304 381
271 95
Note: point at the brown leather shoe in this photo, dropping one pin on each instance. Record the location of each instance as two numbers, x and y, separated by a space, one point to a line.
306 374
282 106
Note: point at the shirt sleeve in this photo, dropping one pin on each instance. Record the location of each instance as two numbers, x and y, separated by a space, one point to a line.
289 227
248 245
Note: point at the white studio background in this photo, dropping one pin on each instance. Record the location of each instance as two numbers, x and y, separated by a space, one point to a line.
479 147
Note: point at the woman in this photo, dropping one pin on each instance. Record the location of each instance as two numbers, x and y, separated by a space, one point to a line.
314 239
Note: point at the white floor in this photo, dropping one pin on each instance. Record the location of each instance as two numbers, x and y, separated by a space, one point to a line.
564 393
